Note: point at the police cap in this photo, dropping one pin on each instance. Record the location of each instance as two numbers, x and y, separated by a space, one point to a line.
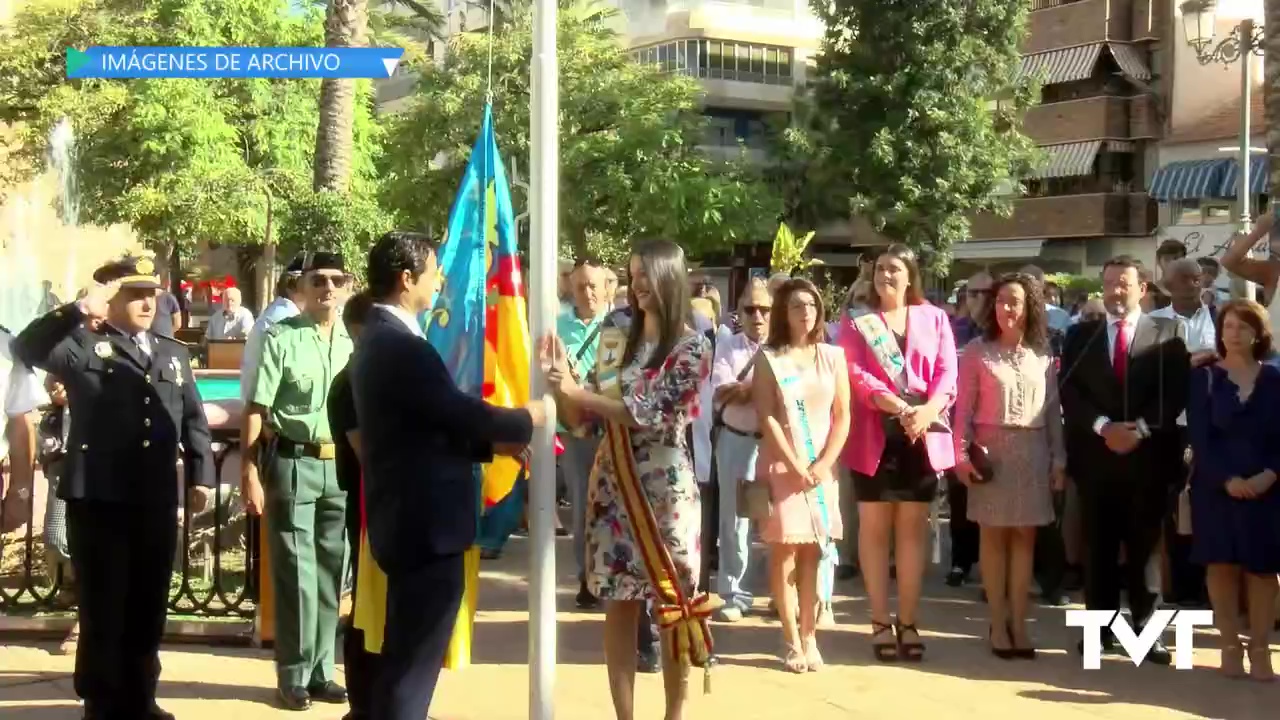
130 272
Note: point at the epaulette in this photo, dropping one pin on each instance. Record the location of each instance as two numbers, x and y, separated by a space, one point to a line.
290 323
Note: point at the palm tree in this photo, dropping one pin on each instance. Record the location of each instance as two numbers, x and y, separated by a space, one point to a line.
349 23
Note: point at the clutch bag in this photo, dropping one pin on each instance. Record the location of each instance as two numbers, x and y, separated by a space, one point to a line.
981 462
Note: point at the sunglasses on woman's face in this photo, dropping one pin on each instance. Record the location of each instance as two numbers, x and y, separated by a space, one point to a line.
320 281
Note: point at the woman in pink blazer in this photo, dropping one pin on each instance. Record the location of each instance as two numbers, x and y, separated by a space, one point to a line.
902 374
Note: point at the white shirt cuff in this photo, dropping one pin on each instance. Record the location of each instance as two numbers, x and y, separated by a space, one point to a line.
1100 423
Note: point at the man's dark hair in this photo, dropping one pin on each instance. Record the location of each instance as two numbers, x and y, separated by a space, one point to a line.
1172 249
394 253
1124 262
356 311
1209 263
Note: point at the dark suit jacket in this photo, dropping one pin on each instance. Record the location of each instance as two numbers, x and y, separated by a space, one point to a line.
1155 391
422 437
132 412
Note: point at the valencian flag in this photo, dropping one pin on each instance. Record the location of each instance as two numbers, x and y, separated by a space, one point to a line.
479 325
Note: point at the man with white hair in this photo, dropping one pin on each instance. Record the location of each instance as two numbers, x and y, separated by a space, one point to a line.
234 321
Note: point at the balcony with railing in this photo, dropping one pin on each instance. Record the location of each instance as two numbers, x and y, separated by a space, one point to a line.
733 74
1099 214
1056 24
1086 119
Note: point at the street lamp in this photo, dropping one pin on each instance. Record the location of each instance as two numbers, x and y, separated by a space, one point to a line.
1199 18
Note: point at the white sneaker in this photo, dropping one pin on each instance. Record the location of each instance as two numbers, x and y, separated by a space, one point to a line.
729 614
826 616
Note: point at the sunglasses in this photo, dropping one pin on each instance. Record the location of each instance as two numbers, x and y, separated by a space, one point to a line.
338 281
756 310
977 292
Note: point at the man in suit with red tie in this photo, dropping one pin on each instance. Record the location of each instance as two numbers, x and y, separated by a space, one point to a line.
1124 383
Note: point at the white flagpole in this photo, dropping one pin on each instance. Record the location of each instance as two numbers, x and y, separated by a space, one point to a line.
544 180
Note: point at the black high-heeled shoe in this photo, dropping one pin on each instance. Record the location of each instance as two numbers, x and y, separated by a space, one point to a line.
1021 653
1002 653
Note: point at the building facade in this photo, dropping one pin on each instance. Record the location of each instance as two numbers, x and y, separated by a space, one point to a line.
1196 180
1101 64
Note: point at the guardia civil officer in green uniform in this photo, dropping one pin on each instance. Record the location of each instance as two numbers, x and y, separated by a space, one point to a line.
293 479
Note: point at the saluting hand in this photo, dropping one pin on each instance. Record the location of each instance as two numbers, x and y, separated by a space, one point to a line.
94 303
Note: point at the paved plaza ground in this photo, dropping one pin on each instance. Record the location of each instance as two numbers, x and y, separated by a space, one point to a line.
959 679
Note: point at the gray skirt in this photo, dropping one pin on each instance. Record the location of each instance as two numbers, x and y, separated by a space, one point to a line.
1020 493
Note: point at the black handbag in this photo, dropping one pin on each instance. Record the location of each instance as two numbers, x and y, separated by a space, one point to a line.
983 471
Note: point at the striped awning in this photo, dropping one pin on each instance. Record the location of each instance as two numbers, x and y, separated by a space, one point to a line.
1189 179
1130 61
1258 169
1068 160
1061 66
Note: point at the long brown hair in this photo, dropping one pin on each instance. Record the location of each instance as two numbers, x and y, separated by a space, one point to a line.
780 325
914 294
664 266
1035 334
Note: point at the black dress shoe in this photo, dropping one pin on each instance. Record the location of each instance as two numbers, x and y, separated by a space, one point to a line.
585 600
1055 599
1108 644
1159 654
294 698
328 692
957 577
490 554
158 713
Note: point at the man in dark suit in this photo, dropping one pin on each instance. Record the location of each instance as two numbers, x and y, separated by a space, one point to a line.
361 665
1124 383
421 439
135 403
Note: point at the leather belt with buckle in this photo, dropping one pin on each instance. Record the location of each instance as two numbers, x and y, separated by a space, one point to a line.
319 451
740 433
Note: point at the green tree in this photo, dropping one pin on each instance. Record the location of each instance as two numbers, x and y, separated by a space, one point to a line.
905 90
181 161
629 165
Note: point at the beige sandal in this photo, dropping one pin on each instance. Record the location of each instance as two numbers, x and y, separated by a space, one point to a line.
1232 663
795 661
1260 663
69 644
812 657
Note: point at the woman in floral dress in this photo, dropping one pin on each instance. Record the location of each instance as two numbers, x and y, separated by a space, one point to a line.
647 381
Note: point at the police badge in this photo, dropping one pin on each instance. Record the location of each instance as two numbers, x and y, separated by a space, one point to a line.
102 349
178 378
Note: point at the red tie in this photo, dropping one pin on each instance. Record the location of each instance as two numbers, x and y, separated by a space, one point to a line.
1120 358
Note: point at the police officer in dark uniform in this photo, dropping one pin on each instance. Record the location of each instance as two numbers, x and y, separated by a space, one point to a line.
136 405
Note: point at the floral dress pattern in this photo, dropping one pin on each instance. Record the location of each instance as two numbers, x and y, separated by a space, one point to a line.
662 402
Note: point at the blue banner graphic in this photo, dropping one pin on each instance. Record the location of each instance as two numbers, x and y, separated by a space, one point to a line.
232 62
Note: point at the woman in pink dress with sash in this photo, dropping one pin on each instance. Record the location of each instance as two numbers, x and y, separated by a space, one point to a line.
902 371
802 398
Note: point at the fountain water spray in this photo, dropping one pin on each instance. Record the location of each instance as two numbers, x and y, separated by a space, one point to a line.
23 292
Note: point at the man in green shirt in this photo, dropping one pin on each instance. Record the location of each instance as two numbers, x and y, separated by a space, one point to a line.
578 327
304 506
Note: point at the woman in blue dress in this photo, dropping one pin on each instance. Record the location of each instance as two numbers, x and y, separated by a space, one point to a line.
1233 418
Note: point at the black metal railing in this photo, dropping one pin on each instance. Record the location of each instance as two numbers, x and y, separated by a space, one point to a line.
215 567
